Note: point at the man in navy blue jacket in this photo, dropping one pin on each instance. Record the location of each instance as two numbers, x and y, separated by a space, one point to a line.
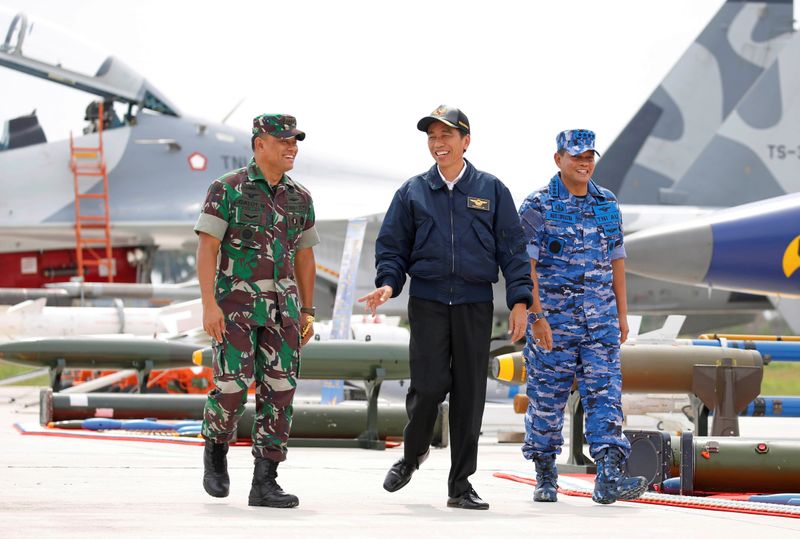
450 229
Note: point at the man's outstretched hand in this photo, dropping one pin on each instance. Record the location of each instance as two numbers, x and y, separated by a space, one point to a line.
377 297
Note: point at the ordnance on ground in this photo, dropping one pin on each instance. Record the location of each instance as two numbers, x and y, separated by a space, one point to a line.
342 421
723 379
715 464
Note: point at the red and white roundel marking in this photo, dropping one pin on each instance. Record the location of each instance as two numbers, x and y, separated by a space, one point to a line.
198 161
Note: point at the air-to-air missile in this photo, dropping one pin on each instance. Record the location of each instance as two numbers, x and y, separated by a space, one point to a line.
321 360
646 368
104 352
773 406
753 248
769 350
737 337
32 318
346 421
343 360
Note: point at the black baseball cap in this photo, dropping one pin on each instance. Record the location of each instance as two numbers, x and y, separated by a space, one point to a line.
447 115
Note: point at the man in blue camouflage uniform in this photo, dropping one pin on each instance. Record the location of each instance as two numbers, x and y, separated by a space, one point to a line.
577 321
255 264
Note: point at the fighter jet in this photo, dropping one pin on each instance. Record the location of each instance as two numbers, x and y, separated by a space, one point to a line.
694 139
160 163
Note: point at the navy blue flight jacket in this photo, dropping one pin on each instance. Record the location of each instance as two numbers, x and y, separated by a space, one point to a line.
452 242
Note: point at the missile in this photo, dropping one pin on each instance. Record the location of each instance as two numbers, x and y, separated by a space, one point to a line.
343 360
750 248
320 360
782 499
734 337
769 350
646 368
773 407
308 420
154 292
104 353
32 318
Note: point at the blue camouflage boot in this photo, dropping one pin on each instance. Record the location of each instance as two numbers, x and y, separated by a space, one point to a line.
546 479
610 484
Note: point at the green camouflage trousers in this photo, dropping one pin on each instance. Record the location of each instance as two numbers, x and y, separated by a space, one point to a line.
268 356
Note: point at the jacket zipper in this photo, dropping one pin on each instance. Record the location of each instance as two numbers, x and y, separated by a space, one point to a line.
452 246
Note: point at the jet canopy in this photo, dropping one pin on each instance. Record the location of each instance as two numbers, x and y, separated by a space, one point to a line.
51 53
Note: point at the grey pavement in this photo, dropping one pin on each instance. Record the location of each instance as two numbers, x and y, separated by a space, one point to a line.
64 487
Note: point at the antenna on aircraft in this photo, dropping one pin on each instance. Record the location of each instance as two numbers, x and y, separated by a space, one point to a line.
236 106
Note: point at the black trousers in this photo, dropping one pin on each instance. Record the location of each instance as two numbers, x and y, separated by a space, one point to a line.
449 352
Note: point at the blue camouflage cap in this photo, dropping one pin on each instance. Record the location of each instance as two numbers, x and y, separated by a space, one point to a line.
576 141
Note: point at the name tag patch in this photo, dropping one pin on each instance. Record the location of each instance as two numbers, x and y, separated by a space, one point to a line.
478 203
606 214
561 216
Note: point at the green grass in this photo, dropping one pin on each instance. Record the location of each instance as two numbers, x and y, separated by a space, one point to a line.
7 370
781 378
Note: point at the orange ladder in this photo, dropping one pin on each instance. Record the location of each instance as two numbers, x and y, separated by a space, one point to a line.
89 163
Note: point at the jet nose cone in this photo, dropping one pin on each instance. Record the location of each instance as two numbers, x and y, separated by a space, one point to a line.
680 253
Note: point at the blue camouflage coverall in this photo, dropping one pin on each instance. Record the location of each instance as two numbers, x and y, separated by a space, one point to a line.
574 239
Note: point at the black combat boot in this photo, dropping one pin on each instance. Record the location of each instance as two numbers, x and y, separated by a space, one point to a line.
266 492
610 484
546 479
215 469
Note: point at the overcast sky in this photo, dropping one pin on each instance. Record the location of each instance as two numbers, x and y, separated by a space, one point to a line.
358 75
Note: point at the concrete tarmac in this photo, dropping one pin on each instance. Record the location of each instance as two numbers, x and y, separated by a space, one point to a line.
83 488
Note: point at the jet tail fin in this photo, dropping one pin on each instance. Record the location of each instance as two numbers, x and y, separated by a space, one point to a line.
680 117
755 152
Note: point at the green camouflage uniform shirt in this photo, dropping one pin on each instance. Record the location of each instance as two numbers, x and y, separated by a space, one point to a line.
261 228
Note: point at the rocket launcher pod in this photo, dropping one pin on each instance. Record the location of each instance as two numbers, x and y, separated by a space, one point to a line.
715 464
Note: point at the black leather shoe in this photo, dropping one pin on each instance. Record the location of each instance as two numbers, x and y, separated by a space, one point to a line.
468 500
398 475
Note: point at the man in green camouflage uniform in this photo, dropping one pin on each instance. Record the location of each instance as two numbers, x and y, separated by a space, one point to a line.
257 303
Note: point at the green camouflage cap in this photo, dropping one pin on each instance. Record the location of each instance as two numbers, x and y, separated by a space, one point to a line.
277 125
